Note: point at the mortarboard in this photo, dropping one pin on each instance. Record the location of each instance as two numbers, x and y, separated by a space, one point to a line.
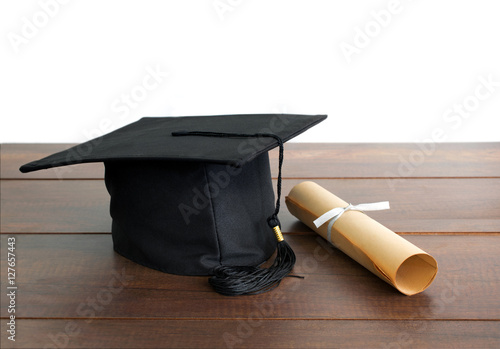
194 196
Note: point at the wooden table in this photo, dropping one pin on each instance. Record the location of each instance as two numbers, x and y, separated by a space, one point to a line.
74 291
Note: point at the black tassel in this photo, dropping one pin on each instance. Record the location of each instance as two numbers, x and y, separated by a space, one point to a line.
235 281
249 280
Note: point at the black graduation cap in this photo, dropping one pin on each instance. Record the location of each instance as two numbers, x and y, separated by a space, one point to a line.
194 196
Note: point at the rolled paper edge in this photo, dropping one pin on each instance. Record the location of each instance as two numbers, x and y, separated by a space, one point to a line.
402 280
423 264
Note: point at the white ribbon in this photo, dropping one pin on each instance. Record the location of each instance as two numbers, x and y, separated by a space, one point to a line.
336 213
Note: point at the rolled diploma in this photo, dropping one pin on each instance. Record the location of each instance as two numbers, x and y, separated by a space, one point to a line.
386 254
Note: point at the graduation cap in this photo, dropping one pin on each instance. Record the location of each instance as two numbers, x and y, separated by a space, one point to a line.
194 196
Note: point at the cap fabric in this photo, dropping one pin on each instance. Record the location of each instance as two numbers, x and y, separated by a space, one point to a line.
187 205
150 138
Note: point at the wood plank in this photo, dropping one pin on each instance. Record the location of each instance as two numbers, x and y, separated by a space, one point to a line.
54 206
312 160
427 205
79 276
253 332
382 160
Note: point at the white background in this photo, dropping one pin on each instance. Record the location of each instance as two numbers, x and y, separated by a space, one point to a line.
66 67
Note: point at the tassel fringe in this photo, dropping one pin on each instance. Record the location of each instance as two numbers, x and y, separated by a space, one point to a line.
236 281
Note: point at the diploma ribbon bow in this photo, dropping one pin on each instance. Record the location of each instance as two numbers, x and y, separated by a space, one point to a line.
336 213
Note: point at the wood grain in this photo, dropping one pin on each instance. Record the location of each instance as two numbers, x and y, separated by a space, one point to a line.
447 202
312 160
254 332
60 276
417 205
